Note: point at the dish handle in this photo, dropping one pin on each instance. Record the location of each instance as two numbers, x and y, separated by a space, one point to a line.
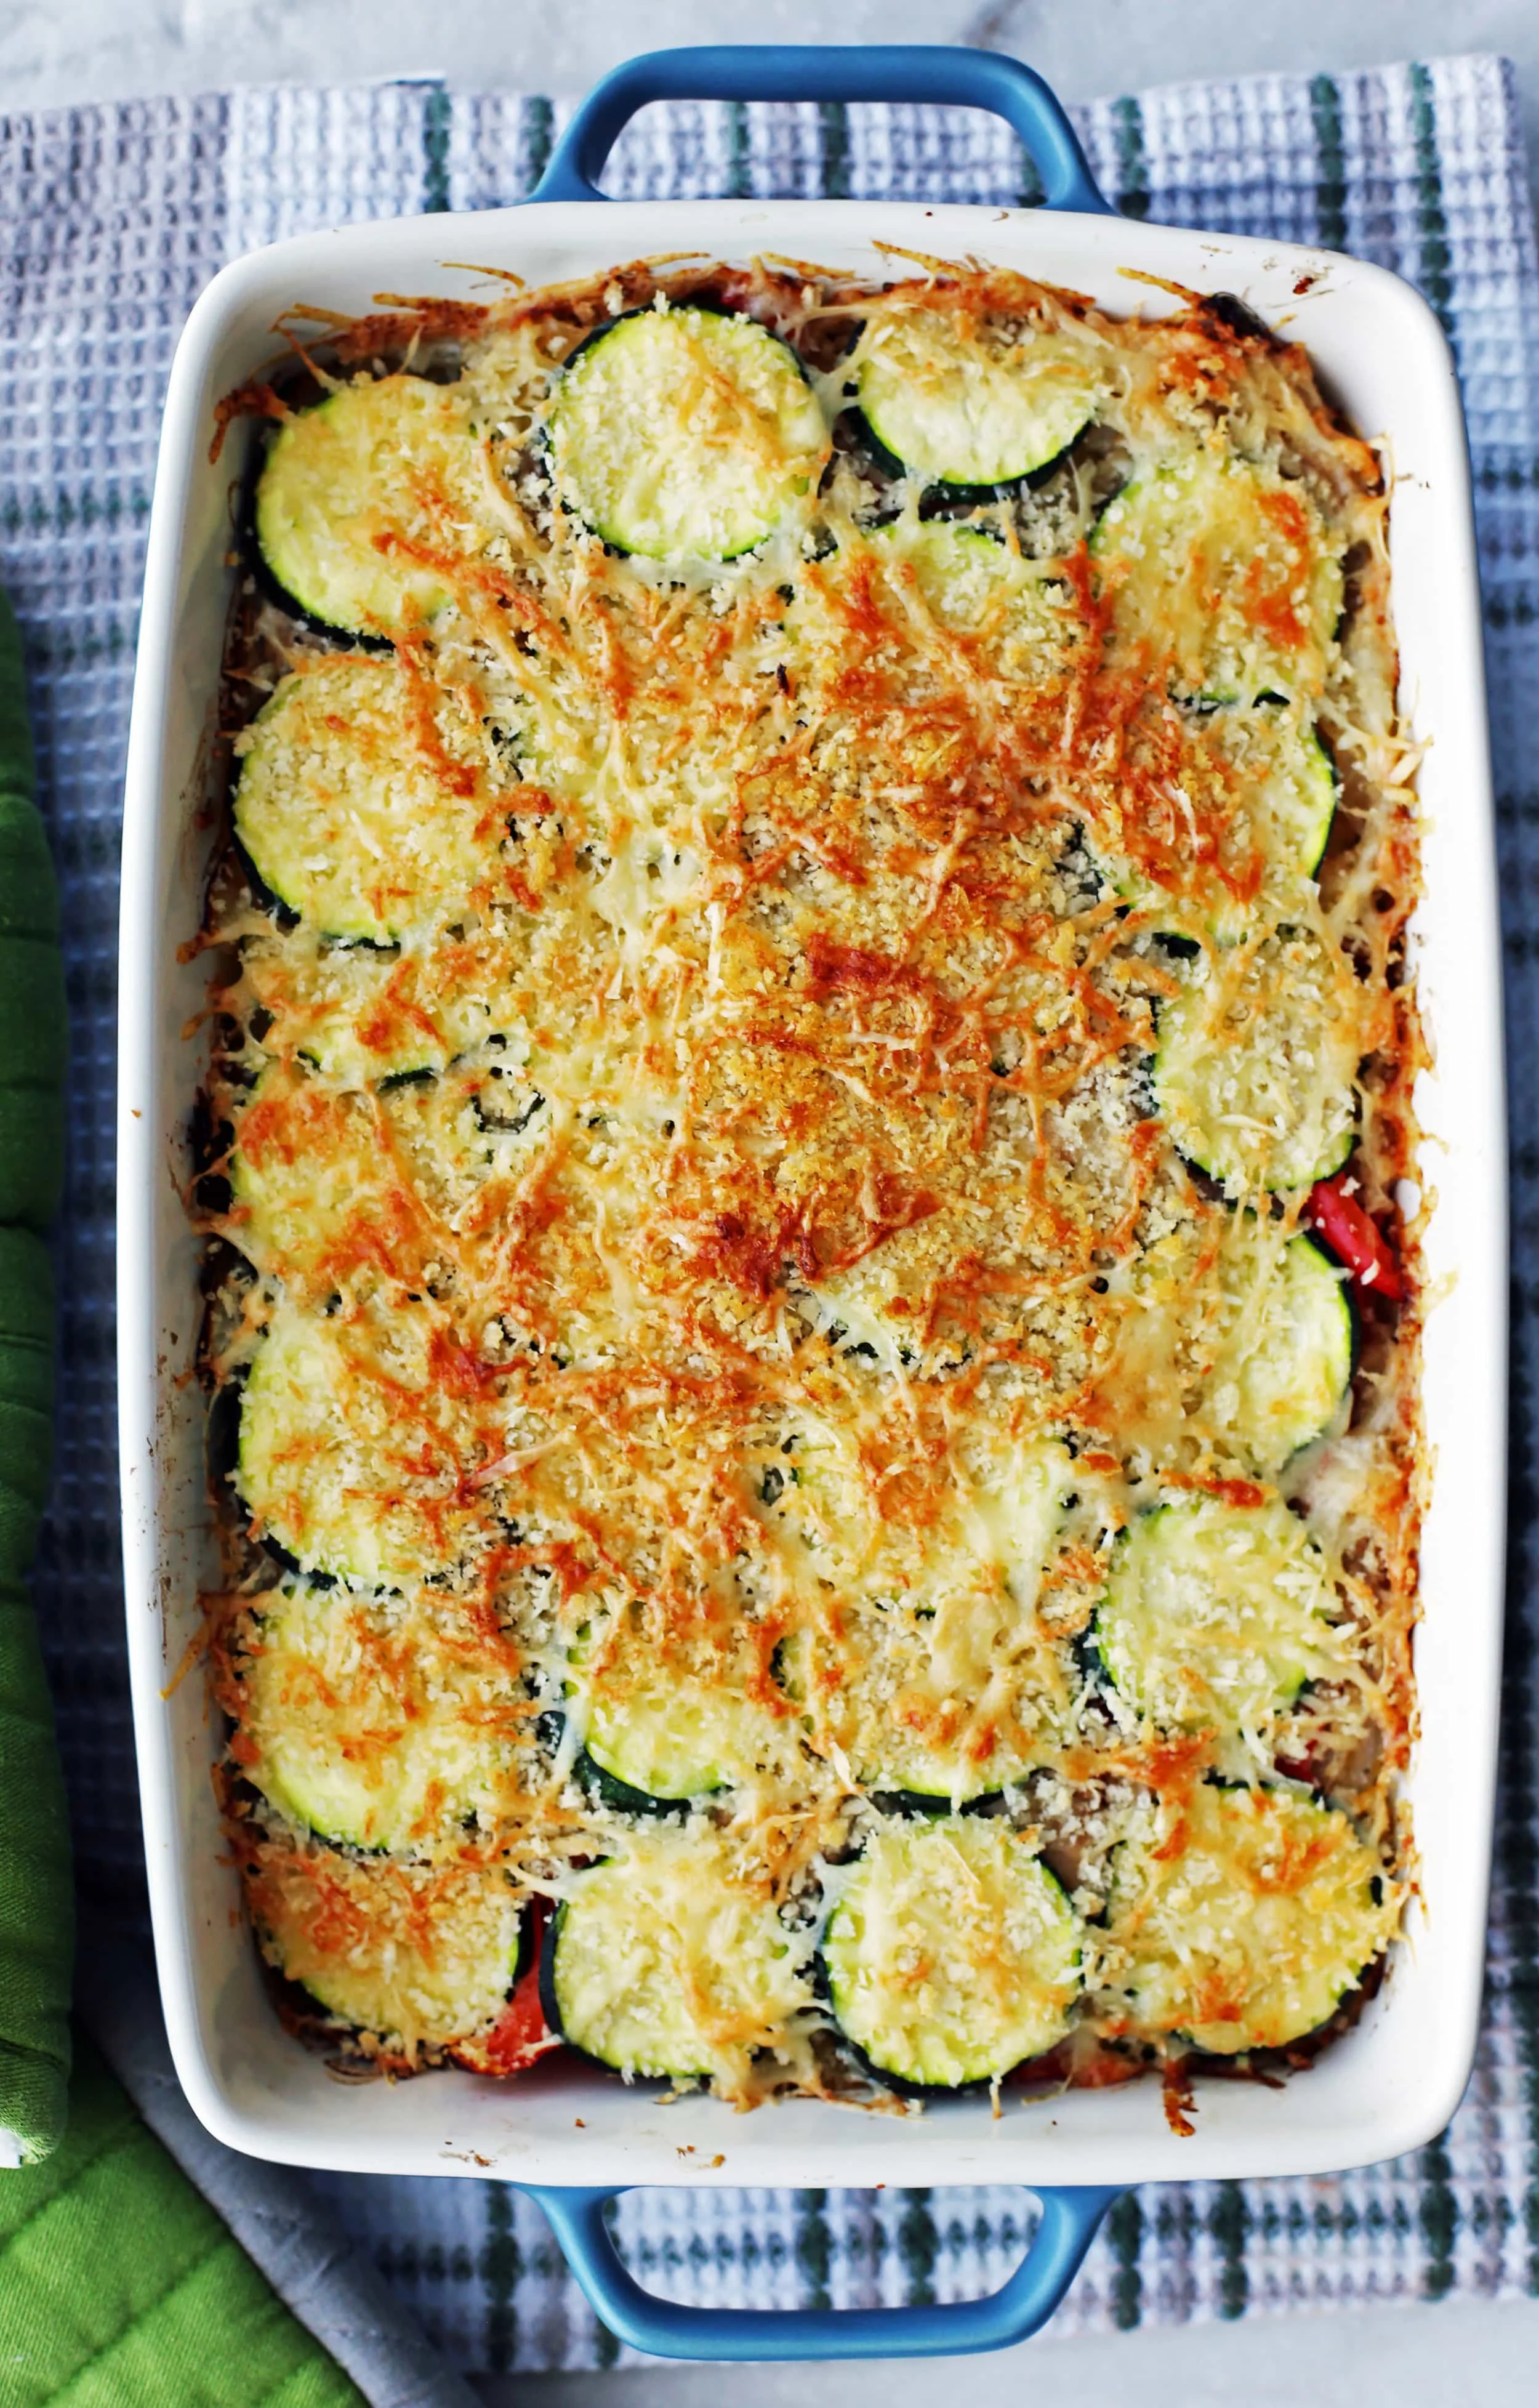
664 2329
911 71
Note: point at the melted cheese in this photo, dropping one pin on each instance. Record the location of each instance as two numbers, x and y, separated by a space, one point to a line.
701 1711
683 435
1215 1617
1258 1053
366 799
355 1446
1246 1922
782 1275
968 402
952 1954
381 1723
669 1961
358 495
417 1961
1222 573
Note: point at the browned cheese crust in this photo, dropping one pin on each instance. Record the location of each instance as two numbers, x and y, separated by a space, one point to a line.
727 1235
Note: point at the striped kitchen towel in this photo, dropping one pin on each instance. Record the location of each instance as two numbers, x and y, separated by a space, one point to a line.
112 219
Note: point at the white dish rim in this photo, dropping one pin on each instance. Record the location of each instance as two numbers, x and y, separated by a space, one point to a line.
1391 2083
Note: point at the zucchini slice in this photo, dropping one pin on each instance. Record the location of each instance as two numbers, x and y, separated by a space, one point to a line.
352 1446
866 1311
314 1190
362 1017
1247 800
662 1962
951 409
1246 1922
934 1678
1284 1363
361 806
1288 786
420 1958
1257 1061
1227 573
952 1954
366 502
1215 1617
892 1704
685 434
327 1182
1247 1342
376 1721
675 1722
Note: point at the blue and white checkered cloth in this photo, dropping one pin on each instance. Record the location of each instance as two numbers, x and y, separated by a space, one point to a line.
111 219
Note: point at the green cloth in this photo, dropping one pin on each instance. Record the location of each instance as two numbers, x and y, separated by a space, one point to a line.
33 1030
37 1906
121 2289
118 2286
37 1917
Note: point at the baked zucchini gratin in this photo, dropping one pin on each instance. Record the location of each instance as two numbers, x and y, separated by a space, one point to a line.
811 1279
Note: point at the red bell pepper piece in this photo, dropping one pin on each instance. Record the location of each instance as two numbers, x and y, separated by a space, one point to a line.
520 2032
1355 1238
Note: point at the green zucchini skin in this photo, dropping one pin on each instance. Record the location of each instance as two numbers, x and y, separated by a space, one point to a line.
655 517
1344 1930
341 814
305 1993
271 587
959 497
1321 1116
655 1748
261 894
902 2086
654 1945
1200 509
409 1761
1297 1369
609 1790
1330 779
927 1803
291 1392
1350 1329
550 2005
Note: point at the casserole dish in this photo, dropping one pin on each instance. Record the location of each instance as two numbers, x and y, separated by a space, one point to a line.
1392 2081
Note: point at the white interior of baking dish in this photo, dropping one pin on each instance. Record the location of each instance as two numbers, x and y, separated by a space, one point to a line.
1395 2079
